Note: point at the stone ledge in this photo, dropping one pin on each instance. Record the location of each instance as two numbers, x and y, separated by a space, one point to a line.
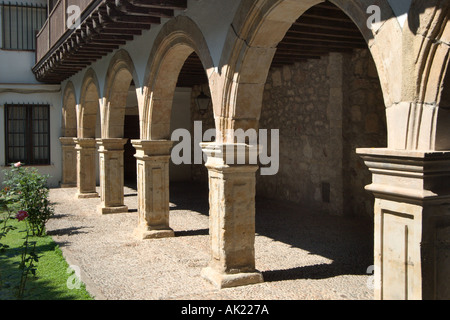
146 232
89 195
112 210
222 280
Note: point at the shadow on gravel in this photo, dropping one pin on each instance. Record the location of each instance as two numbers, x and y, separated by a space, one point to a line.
190 233
66 231
347 241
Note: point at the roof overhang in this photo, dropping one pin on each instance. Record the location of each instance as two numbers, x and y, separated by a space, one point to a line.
105 26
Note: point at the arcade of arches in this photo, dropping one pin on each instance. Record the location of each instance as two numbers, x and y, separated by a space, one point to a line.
358 98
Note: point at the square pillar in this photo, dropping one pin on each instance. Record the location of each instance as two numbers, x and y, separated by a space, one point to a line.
231 216
69 162
111 175
412 223
86 153
153 158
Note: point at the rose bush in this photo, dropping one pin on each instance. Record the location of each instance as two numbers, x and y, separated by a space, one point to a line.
31 191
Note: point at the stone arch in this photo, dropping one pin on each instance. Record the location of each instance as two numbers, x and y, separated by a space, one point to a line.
89 105
442 140
121 73
428 30
69 112
178 39
251 45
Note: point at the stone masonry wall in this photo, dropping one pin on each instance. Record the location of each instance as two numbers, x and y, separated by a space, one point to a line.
295 102
324 110
364 127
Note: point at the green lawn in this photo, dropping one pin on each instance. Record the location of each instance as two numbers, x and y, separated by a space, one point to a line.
52 276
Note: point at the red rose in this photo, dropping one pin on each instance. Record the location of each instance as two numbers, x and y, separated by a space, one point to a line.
21 215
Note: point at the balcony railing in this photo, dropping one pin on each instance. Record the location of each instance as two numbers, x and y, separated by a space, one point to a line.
104 25
19 24
56 25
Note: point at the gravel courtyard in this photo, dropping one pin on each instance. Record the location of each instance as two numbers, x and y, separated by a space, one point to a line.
302 255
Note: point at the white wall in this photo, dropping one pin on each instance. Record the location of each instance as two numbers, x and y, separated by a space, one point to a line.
213 17
15 67
36 94
19 85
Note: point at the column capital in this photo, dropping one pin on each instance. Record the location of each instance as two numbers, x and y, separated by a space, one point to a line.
85 142
67 141
152 148
229 156
110 144
414 176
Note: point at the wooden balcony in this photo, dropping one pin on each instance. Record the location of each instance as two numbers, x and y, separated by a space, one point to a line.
63 49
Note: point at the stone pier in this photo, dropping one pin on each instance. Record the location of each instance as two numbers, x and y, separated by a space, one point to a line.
86 153
232 216
153 188
69 162
111 175
412 223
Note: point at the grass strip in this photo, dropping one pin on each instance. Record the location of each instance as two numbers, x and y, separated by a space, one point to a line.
54 279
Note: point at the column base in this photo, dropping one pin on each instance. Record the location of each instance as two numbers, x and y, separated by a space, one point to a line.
223 280
88 195
145 232
112 210
67 185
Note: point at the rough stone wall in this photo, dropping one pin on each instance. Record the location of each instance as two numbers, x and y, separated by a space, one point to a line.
364 127
295 102
324 109
318 164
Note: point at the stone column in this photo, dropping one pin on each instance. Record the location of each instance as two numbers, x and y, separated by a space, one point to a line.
86 153
111 175
153 188
69 162
412 223
231 216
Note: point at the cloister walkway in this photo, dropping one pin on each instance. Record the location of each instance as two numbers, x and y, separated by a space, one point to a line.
303 255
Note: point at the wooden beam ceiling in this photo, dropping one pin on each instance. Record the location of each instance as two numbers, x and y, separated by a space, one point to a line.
322 29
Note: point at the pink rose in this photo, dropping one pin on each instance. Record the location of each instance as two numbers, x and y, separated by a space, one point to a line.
17 164
21 215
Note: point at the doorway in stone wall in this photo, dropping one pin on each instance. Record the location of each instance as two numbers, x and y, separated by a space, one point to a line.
131 132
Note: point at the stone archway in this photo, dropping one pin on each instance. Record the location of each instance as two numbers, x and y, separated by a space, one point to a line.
85 142
442 141
69 133
250 48
121 73
69 127
89 106
248 54
430 63
410 177
177 40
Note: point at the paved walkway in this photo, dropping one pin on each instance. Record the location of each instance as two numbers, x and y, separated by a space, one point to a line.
302 255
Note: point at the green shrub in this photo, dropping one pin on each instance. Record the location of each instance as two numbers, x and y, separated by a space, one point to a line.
31 191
